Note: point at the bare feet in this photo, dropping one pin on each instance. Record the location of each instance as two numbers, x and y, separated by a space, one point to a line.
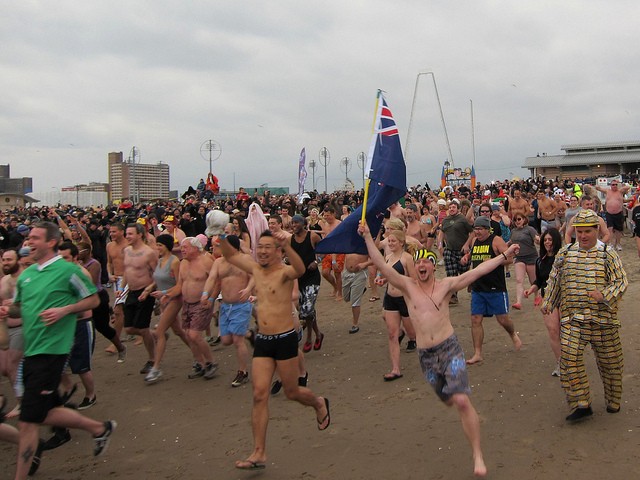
138 340
339 298
475 359
517 343
111 349
15 413
479 468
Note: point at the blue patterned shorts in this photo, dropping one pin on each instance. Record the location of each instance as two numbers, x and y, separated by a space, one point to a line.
445 369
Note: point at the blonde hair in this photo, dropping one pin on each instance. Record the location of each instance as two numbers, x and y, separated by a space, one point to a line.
395 224
400 236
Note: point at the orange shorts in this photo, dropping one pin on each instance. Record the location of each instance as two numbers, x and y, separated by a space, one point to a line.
327 261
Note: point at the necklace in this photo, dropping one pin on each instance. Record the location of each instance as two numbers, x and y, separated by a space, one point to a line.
430 297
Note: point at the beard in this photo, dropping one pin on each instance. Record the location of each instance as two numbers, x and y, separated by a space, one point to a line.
10 270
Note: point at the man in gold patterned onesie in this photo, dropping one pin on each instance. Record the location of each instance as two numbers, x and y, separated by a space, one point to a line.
586 284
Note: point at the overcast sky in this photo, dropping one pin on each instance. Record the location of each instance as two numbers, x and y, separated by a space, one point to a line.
264 79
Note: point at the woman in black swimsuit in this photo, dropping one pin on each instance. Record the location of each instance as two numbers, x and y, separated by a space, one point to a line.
394 306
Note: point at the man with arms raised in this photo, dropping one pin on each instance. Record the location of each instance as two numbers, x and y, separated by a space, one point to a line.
440 354
140 262
48 296
276 346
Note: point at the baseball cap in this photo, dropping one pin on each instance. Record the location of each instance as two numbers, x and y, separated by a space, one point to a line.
482 222
298 219
23 229
442 201
586 218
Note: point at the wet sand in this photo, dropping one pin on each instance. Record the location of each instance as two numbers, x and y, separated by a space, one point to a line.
196 429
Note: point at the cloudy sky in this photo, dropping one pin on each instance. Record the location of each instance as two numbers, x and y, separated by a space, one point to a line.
264 79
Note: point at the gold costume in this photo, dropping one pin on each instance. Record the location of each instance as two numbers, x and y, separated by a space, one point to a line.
575 273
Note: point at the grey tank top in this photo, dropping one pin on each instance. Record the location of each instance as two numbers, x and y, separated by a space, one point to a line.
162 276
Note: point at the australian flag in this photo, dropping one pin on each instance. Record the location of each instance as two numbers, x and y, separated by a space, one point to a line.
387 176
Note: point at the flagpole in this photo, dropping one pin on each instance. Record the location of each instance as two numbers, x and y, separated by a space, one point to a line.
366 185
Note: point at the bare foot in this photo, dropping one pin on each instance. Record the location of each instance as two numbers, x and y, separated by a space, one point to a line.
138 341
475 359
339 298
111 349
479 468
517 343
15 413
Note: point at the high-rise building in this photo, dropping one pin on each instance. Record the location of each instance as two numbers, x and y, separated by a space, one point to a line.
137 181
21 186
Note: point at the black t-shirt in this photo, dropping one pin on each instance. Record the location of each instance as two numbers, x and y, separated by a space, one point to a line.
493 281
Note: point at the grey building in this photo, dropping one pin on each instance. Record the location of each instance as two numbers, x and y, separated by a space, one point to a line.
588 160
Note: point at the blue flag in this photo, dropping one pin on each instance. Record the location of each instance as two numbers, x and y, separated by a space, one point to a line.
387 175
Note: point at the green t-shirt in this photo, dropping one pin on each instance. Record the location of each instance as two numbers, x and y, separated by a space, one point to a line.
57 283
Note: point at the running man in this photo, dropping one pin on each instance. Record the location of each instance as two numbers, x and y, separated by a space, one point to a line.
439 351
276 346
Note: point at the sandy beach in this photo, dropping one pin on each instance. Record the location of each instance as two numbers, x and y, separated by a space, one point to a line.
196 429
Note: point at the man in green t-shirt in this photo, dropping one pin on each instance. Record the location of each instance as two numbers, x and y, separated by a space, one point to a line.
49 294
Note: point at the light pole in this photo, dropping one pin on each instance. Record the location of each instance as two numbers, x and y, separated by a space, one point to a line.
325 158
362 162
312 165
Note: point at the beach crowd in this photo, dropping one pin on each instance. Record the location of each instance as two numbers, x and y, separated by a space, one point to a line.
242 271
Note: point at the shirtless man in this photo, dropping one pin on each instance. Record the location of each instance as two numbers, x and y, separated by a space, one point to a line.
518 204
276 346
354 284
439 352
332 263
140 262
415 228
115 269
547 209
10 359
613 206
196 318
235 308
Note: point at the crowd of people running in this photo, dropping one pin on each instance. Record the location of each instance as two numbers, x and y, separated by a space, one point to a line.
211 262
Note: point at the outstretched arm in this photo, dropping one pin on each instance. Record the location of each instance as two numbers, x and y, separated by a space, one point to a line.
393 277
466 279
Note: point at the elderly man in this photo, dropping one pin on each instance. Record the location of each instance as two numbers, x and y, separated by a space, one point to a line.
194 272
586 284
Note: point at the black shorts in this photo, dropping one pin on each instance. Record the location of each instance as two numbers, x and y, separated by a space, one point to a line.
41 377
395 304
83 344
615 221
137 314
281 346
